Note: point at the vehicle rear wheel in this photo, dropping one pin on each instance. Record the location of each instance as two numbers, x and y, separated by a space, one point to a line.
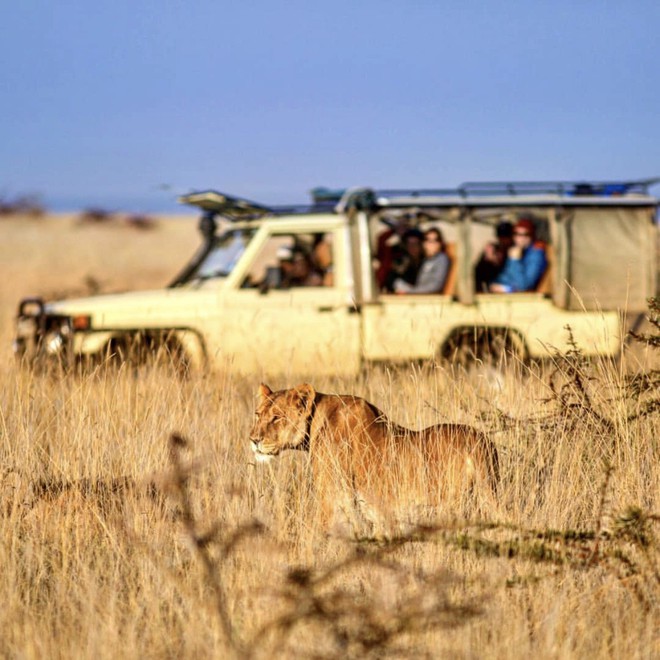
492 346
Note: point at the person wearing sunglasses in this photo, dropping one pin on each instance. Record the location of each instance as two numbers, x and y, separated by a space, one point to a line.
433 271
525 261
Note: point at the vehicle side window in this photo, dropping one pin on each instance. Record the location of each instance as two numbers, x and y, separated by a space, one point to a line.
412 256
515 259
293 260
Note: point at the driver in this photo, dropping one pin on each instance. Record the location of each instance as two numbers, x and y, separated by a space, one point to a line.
295 269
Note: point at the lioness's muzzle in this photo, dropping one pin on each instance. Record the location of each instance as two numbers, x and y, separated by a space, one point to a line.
258 448
260 455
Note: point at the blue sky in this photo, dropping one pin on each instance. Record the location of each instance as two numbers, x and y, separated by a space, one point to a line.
126 104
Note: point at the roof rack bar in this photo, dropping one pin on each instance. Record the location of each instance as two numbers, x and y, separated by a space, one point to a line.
582 187
420 192
514 188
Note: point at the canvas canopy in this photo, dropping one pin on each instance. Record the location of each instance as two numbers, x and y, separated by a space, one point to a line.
607 258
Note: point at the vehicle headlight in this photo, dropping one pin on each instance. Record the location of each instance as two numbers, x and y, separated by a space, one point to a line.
54 343
57 336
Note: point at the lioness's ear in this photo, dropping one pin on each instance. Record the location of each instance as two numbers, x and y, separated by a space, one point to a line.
306 393
264 391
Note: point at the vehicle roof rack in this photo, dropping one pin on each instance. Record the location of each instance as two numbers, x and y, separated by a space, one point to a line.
581 192
524 193
213 202
479 193
519 188
569 188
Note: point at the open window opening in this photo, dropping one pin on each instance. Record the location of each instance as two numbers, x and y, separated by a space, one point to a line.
511 250
293 260
415 251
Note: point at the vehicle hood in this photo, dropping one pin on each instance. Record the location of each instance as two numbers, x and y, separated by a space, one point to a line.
140 309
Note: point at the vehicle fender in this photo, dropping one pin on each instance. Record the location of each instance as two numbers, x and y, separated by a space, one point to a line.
91 343
94 343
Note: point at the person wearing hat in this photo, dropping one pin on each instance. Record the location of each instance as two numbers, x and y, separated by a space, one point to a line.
525 261
493 257
294 269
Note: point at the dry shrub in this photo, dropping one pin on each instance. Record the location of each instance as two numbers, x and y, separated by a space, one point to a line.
96 216
30 206
100 216
140 222
371 601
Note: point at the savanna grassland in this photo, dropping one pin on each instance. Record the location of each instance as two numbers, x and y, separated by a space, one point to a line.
134 523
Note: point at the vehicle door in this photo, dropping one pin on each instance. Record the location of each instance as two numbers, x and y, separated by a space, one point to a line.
288 308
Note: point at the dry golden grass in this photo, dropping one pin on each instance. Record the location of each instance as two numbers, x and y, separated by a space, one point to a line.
119 539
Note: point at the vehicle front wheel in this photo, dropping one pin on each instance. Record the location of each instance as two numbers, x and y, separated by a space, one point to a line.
149 350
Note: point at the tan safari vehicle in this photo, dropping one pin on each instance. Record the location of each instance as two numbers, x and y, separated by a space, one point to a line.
236 306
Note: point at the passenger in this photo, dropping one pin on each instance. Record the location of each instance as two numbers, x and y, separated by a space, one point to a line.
302 272
493 257
525 262
321 259
390 247
279 277
407 263
433 271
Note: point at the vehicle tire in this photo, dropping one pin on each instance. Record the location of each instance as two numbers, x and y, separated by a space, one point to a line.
141 350
492 346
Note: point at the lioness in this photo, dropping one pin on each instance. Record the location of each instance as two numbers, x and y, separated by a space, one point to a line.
360 457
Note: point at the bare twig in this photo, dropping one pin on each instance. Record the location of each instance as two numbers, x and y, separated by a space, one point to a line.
201 541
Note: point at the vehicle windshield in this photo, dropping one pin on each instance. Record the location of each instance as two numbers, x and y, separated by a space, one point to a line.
224 255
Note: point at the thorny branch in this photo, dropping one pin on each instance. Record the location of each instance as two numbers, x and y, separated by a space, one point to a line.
202 541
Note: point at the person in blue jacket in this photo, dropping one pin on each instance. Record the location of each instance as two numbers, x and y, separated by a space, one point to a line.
525 262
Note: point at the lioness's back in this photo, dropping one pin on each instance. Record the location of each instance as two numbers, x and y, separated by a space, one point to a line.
377 444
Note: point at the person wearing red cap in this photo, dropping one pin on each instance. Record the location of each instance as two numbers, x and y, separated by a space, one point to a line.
525 262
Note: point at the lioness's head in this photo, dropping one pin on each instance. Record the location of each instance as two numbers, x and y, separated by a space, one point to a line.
281 420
